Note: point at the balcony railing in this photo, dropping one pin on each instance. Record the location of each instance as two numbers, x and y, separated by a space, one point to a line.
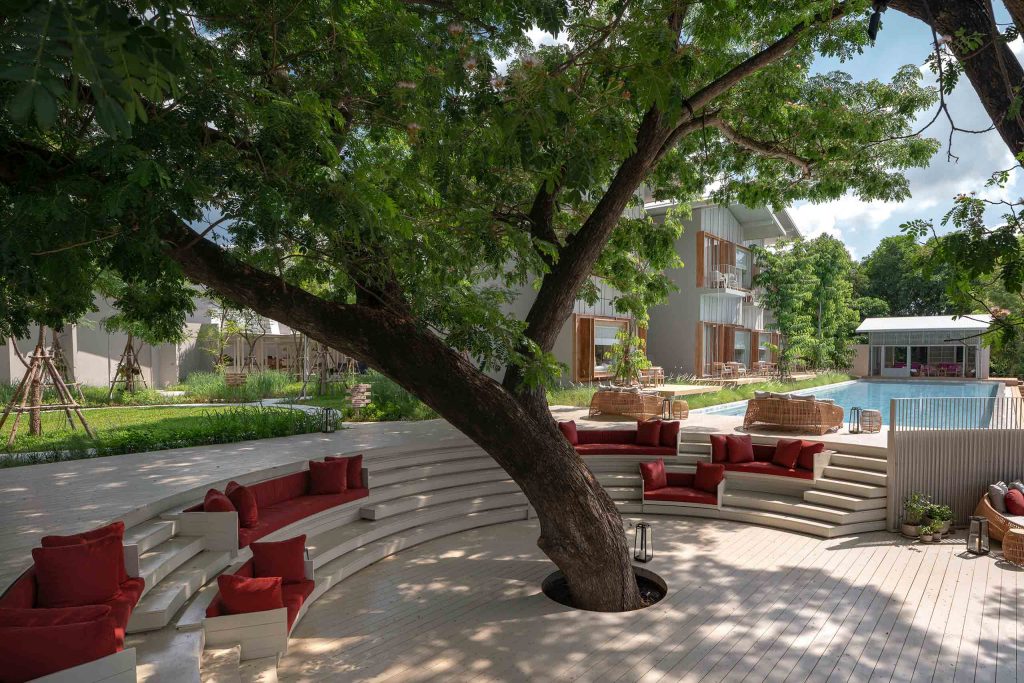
726 276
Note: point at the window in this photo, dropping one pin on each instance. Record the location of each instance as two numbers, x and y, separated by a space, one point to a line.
605 340
741 347
895 356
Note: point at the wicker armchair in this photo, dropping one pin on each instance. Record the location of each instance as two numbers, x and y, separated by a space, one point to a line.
811 417
998 525
627 403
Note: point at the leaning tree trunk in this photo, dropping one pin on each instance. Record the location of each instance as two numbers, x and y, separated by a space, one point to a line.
581 530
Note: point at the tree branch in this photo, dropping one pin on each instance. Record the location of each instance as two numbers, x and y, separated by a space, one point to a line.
763 148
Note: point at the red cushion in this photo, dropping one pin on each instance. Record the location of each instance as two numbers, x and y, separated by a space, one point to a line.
708 476
768 468
244 501
295 595
740 448
241 594
569 431
122 604
56 616
86 573
719 448
622 449
327 477
807 451
682 494
21 593
1015 502
654 475
29 652
280 558
215 501
670 433
280 489
627 436
355 469
680 479
115 529
787 452
281 514
648 433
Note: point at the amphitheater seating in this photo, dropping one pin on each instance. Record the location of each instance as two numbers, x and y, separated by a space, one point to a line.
654 437
704 486
737 453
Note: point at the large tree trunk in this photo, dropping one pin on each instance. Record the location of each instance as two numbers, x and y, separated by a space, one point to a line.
581 530
993 69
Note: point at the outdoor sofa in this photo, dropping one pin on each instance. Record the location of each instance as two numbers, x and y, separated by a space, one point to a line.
792 458
703 487
793 413
653 437
628 402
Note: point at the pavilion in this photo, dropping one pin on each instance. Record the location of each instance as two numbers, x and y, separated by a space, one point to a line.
927 346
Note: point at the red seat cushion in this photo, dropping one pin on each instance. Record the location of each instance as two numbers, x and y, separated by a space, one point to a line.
29 652
569 431
682 494
215 501
622 449
654 475
55 616
115 529
244 501
354 474
241 594
622 436
1015 502
327 477
787 452
740 448
719 448
295 595
280 515
807 451
768 468
86 573
684 479
122 604
670 433
648 433
708 476
280 558
21 593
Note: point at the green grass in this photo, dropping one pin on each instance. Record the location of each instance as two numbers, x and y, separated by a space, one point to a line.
210 387
388 401
580 396
132 430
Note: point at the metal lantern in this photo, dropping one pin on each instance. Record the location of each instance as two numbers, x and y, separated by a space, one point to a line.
977 536
855 414
643 542
327 420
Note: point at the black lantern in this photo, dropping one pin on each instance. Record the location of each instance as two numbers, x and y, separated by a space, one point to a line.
977 536
855 414
328 421
643 542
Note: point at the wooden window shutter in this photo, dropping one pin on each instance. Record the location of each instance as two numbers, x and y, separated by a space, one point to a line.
698 360
701 266
584 349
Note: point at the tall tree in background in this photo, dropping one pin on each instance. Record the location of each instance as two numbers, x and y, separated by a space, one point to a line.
832 308
383 184
896 272
786 279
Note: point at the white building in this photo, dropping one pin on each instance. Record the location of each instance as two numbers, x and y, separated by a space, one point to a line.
927 346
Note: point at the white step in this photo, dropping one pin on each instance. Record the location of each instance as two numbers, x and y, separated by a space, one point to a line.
167 655
620 479
629 507
863 462
221 665
149 534
383 494
163 559
395 476
631 493
844 501
192 616
422 457
156 609
695 447
436 497
799 524
262 670
789 505
691 458
856 474
852 488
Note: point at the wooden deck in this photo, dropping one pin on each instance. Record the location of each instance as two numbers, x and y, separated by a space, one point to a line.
745 604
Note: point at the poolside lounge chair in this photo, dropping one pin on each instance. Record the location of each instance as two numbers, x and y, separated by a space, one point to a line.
998 523
793 414
627 402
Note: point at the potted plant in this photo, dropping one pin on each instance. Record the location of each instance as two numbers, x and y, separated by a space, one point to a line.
925 533
914 509
940 515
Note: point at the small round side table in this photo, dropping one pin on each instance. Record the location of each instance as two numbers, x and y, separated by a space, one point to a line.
871 421
1013 546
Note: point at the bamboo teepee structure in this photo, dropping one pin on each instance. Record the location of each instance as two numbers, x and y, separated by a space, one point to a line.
28 396
129 370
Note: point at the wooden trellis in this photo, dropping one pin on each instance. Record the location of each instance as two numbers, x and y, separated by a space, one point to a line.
129 370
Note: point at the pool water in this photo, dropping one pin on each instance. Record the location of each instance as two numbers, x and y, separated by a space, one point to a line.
876 395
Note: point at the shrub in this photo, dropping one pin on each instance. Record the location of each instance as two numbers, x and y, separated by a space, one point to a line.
210 387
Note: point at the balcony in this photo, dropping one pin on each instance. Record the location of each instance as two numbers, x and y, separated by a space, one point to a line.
727 278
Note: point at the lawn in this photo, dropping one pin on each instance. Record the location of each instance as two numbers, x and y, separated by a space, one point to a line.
580 396
131 430
388 401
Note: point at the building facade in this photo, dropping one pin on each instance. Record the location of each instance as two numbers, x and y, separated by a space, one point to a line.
926 346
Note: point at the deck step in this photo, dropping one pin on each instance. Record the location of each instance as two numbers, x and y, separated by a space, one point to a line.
149 534
695 447
156 609
629 507
851 488
424 457
631 493
863 462
262 670
164 558
619 479
856 474
790 505
412 502
220 665
383 494
844 501
799 524
396 476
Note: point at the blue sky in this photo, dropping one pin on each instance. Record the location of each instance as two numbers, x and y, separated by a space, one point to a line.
862 224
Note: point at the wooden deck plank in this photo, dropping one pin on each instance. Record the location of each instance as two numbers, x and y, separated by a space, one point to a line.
931 640
970 641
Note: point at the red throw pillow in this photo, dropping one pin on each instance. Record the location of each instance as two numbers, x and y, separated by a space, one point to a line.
1015 502
55 616
82 574
354 476
648 433
807 451
654 475
280 558
787 453
670 433
241 594
740 448
708 476
327 477
244 501
569 431
115 529
215 501
719 448
30 652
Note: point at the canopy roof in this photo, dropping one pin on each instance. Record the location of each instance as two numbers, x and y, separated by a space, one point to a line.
918 323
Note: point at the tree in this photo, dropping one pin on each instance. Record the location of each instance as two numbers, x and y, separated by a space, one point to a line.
832 308
895 274
390 192
786 279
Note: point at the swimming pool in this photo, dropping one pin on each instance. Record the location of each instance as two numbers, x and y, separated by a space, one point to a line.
876 394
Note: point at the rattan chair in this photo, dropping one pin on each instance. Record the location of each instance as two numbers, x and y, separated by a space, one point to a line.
793 415
998 525
627 403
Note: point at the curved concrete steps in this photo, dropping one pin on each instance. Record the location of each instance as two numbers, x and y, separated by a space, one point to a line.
436 496
159 605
